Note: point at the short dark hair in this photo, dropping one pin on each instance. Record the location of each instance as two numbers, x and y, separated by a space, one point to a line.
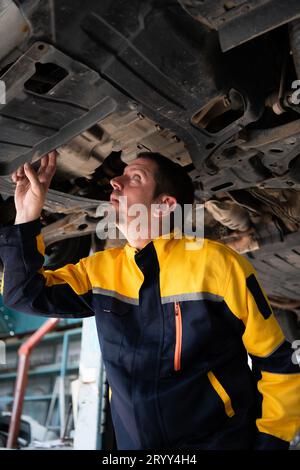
171 178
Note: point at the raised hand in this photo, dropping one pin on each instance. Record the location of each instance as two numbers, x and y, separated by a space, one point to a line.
32 187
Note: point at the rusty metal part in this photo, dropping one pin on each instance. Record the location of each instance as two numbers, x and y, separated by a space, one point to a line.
242 242
80 213
132 132
244 245
239 21
263 137
265 233
22 377
292 204
57 201
208 116
228 213
73 225
83 154
290 211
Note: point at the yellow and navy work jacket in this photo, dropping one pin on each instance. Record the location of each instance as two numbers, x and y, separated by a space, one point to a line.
175 327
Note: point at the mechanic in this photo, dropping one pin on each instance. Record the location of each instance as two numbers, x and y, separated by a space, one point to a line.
175 326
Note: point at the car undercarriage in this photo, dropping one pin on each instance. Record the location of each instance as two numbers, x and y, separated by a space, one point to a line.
210 84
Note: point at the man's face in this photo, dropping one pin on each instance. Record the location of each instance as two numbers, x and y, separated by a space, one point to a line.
137 184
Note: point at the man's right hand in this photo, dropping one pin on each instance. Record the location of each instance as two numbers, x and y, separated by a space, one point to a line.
32 187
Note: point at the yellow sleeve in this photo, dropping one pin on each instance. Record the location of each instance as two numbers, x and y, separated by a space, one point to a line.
278 377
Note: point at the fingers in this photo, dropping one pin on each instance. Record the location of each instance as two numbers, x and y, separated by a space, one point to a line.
14 176
53 154
18 175
43 164
44 174
50 168
52 160
20 171
33 178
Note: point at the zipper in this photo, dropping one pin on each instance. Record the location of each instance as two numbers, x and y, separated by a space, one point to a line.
178 345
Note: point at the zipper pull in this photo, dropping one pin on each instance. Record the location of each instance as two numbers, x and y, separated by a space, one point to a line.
178 344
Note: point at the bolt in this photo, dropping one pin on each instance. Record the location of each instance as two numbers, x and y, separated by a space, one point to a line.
289 99
291 140
132 105
245 8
